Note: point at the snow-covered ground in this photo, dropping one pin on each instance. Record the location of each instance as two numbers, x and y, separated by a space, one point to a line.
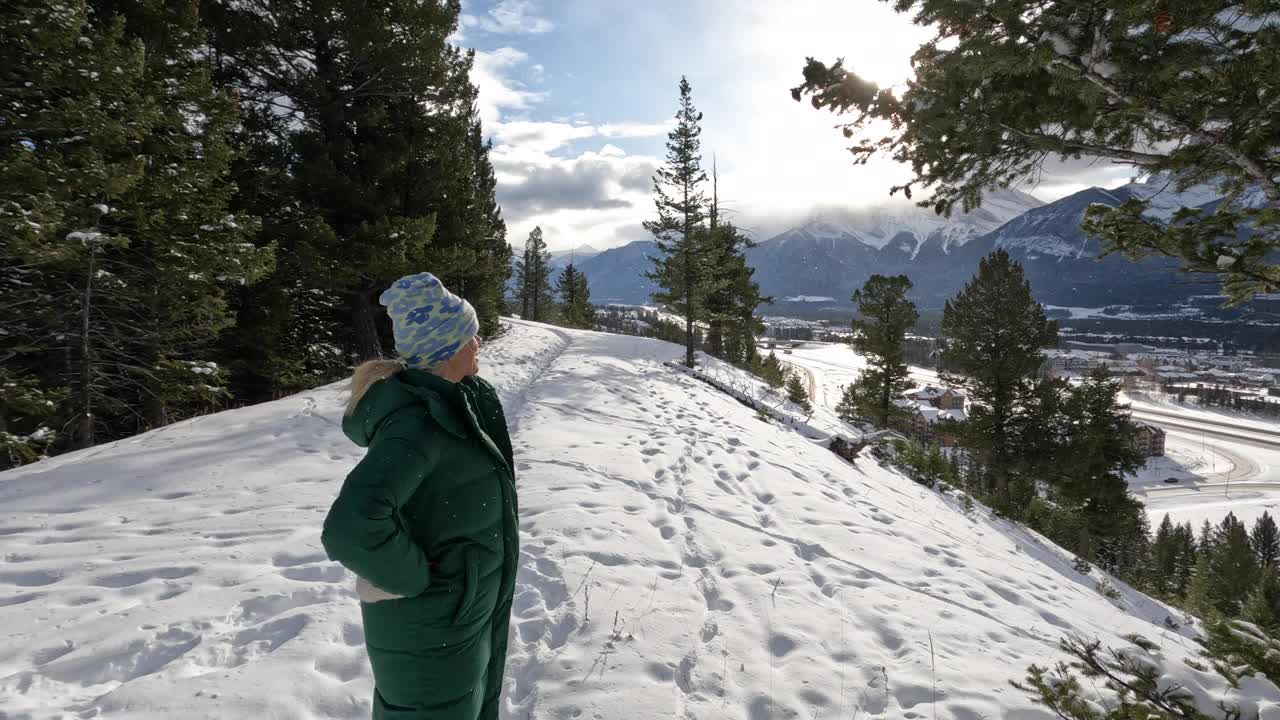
1223 469
681 558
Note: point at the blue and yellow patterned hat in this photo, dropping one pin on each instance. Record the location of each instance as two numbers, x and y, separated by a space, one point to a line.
430 323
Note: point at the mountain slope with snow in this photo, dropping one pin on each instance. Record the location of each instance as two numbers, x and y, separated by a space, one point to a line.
680 558
836 250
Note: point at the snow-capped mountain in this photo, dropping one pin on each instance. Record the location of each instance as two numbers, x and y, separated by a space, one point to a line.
680 558
835 251
910 227
578 254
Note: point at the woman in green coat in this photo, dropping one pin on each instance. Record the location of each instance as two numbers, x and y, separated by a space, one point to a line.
427 520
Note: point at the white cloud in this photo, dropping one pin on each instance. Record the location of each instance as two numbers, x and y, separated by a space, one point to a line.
590 197
634 130
509 17
498 92
539 137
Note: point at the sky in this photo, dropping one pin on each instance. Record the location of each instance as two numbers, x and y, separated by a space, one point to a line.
578 96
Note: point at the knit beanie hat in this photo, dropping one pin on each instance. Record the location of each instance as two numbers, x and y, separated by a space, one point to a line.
430 323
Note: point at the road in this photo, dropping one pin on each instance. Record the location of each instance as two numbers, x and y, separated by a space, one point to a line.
1215 429
810 382
1201 420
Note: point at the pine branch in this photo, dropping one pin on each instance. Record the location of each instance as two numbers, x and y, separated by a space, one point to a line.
1068 146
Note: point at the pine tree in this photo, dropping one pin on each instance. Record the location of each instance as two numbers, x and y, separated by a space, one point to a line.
186 251
993 332
1185 562
1201 597
851 403
1164 553
1098 453
997 93
363 158
733 294
485 282
681 267
797 393
533 278
576 310
1262 606
524 273
122 180
885 317
1234 566
1265 540
1208 540
770 370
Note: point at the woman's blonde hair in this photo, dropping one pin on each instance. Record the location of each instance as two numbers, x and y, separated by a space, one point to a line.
370 372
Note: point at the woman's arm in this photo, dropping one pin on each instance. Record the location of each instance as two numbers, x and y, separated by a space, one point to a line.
363 530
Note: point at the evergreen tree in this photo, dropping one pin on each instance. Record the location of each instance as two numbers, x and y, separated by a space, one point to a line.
524 275
885 316
1208 540
851 402
1234 566
122 181
682 266
576 310
1098 453
366 162
1262 606
1265 540
999 91
734 294
769 369
1041 430
797 393
1185 562
1164 555
993 332
1201 597
533 278
484 283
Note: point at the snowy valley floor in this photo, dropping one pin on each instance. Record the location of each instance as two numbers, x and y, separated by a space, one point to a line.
681 559
1238 473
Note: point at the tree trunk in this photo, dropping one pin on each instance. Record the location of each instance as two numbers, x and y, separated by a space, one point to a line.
154 412
82 436
366 329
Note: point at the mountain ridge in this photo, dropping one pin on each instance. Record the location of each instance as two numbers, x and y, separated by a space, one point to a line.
835 251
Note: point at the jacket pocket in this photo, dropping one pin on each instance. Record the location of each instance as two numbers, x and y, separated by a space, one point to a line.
471 579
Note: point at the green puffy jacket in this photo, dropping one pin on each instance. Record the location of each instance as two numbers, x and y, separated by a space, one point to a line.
430 514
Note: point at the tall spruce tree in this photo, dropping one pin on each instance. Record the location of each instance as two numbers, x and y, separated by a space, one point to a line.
993 334
367 161
1262 606
682 265
734 295
575 297
999 90
1185 562
533 279
1265 540
884 317
484 281
1170 562
797 393
1098 452
1233 565
122 179
1164 558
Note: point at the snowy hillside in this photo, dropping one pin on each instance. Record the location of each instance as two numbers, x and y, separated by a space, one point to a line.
681 559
